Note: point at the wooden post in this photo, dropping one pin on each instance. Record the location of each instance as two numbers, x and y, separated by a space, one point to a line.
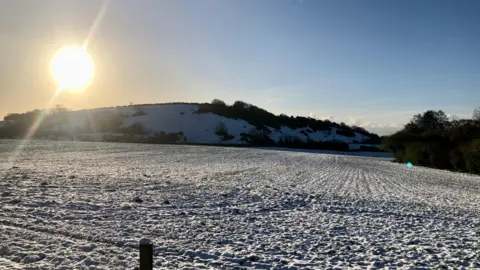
146 254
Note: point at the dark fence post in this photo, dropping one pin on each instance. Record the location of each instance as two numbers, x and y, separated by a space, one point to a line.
146 254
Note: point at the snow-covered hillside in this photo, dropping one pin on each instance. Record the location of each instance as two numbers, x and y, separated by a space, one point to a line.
75 205
197 128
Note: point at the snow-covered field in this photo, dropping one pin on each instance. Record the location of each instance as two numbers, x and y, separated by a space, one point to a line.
70 205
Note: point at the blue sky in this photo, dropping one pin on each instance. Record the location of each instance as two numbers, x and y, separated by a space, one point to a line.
370 63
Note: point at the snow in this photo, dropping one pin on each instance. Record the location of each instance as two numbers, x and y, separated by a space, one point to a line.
7 264
198 128
71 205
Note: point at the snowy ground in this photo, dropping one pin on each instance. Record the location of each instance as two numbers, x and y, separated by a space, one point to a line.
67 205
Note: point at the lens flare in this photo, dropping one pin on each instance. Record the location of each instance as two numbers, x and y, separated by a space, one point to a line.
72 68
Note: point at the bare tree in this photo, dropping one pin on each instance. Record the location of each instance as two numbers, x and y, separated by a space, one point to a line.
476 114
454 118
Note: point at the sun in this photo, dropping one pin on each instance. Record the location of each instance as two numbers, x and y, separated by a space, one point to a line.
72 68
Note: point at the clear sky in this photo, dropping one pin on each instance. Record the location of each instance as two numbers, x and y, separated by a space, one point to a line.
370 63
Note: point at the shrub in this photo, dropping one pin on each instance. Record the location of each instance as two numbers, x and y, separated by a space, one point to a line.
222 131
257 137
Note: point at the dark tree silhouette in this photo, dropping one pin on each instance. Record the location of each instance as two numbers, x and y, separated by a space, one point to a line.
218 102
430 139
431 120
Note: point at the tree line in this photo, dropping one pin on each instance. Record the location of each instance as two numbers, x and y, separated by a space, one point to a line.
262 119
431 139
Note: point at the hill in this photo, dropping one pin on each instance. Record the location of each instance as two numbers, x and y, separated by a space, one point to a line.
194 123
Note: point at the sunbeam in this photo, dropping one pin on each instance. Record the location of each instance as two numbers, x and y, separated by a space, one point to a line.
33 129
96 23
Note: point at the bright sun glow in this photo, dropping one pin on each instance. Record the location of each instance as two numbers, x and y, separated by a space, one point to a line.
72 68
